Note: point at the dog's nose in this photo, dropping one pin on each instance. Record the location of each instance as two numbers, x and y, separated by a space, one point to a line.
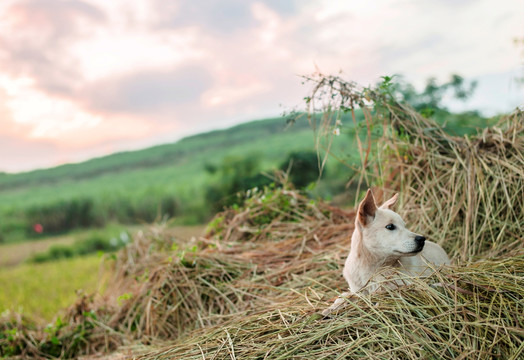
420 240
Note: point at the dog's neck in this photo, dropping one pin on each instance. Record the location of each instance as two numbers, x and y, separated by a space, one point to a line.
361 263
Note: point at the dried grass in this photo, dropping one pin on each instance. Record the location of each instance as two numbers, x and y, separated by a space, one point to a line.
465 193
469 312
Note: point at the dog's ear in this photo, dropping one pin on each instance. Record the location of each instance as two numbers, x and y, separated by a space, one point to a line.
367 209
390 202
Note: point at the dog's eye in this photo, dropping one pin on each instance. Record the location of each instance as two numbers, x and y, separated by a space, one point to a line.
390 227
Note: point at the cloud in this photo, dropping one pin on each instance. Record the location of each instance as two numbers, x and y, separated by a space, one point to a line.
26 155
218 16
214 15
36 40
148 92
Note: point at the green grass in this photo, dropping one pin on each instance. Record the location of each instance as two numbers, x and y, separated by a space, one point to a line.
16 253
39 291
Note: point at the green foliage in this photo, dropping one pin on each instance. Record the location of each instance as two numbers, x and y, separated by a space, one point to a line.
11 343
429 100
59 339
303 168
95 243
55 252
235 175
124 297
274 202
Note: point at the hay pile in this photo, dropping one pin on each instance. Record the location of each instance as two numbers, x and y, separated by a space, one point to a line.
465 193
247 255
473 312
254 285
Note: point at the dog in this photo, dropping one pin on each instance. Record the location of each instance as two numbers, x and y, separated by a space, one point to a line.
380 242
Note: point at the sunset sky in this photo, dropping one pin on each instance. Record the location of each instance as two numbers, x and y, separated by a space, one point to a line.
80 79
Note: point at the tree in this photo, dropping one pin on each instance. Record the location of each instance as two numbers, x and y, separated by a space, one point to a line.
429 100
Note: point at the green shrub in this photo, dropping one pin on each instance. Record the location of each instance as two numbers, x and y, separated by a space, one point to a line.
303 168
93 244
235 176
55 252
147 207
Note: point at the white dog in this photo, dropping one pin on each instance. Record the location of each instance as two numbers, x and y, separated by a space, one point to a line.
381 241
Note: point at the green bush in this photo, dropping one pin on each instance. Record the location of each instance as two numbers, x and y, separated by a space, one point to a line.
303 168
55 252
147 207
234 176
92 244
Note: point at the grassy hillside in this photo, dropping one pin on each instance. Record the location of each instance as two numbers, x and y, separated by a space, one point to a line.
132 185
180 152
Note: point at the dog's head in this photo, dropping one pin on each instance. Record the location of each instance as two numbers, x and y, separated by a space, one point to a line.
384 233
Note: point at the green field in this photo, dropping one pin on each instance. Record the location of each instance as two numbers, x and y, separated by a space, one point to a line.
41 290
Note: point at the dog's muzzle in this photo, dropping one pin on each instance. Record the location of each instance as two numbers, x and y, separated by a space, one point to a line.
420 241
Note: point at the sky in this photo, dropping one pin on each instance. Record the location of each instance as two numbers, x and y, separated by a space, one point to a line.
85 78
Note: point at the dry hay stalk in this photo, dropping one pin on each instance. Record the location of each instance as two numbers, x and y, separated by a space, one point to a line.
466 193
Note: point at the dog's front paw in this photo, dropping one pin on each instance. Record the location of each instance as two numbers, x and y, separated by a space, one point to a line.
339 303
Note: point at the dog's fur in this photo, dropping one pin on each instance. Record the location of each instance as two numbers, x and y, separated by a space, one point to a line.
375 248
